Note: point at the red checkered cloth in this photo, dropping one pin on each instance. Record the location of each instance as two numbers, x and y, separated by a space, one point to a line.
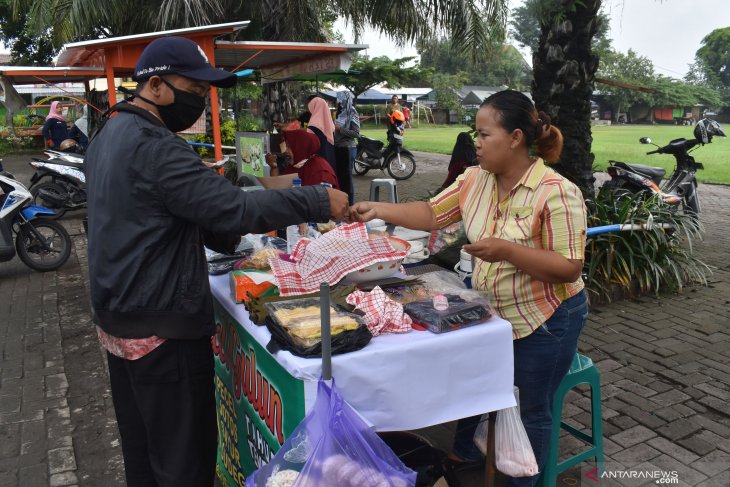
330 258
382 314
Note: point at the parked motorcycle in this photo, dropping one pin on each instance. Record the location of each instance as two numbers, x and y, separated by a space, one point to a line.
42 244
397 160
59 183
682 185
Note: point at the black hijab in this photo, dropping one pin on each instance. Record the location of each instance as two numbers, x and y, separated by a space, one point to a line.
464 150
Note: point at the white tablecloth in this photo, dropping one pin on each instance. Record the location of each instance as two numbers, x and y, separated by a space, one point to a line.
408 381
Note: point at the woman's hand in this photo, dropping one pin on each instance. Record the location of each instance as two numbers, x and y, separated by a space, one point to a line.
271 159
489 249
363 211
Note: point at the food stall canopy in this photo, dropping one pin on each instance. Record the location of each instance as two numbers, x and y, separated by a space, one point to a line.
276 61
27 75
123 51
279 61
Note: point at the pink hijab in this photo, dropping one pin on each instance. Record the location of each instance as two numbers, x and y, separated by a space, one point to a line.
54 114
321 118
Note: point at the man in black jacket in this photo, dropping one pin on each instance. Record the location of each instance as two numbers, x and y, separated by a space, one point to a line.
152 207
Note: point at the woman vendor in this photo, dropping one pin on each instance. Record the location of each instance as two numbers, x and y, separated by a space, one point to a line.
527 228
301 158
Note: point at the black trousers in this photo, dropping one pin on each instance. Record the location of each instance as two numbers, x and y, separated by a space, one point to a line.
165 407
343 170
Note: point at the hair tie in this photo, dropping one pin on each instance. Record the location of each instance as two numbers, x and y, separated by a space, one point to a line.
543 125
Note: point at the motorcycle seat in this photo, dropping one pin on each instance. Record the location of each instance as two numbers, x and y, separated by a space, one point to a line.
371 144
649 171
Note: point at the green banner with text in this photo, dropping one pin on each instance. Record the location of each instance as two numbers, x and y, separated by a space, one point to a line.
258 402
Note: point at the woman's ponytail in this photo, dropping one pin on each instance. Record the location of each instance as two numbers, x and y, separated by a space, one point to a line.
548 138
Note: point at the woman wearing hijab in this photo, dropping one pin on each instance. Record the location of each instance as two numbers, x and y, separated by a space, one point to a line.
347 130
55 129
303 160
320 124
463 156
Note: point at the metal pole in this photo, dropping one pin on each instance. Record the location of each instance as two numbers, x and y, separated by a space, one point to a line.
324 309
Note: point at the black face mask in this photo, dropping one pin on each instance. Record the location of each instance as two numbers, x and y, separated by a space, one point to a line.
183 112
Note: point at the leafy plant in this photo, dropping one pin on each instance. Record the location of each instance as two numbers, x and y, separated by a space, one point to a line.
639 262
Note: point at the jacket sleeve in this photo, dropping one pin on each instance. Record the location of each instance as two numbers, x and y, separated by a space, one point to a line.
193 192
349 132
224 243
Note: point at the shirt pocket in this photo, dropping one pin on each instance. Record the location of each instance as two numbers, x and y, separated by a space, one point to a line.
519 224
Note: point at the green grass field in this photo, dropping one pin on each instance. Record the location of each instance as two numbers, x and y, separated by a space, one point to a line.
617 142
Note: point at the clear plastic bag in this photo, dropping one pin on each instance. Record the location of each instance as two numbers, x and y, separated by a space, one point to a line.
433 283
482 433
333 447
513 452
459 314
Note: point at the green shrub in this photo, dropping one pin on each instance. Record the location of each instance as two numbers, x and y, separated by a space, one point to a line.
642 261
20 120
11 143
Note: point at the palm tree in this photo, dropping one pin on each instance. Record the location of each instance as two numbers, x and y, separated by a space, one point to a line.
564 68
474 22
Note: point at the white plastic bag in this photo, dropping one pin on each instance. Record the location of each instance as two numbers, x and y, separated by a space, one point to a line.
513 452
481 434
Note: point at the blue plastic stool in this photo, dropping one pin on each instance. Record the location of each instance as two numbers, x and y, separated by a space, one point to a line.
582 371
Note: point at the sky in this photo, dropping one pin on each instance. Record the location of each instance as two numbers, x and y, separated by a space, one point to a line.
668 32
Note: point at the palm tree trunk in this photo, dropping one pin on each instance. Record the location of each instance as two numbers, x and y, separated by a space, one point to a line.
564 68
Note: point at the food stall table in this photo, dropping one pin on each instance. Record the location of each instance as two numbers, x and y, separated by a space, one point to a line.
397 382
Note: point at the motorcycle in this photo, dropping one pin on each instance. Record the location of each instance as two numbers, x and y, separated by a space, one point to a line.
681 188
42 244
59 182
397 160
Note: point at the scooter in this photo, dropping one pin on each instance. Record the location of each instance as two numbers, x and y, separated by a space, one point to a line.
681 186
59 182
372 154
42 244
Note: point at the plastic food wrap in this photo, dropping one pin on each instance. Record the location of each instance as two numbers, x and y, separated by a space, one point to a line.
295 325
459 314
248 284
433 283
332 447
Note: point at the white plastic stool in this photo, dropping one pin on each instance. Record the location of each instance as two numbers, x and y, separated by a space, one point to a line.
388 186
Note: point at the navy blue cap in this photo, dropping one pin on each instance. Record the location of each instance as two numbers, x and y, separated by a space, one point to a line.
179 55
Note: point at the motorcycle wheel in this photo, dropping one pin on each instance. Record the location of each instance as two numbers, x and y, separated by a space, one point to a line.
55 189
31 251
359 166
403 170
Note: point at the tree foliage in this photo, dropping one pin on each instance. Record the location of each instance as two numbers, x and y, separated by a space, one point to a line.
498 65
474 22
525 25
26 47
639 70
628 68
714 56
446 87
367 72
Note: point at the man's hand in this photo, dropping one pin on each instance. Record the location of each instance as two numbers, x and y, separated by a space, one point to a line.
339 205
363 211
50 144
489 249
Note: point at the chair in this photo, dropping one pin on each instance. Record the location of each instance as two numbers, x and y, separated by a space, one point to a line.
388 186
582 371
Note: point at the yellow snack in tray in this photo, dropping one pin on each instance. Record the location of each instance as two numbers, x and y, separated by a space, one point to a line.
306 323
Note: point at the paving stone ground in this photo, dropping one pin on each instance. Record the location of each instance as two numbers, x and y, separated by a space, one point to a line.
664 365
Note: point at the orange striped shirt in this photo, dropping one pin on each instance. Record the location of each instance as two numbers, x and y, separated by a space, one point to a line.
543 211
